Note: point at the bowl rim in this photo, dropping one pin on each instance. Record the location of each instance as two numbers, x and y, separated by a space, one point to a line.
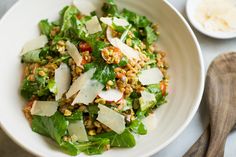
193 21
201 87
185 123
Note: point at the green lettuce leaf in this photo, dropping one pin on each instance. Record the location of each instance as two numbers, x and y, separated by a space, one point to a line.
39 87
135 19
45 27
68 13
93 110
94 146
52 86
77 115
125 140
69 148
138 127
31 57
104 72
54 127
110 8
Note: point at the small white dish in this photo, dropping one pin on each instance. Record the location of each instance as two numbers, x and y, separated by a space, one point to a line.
191 8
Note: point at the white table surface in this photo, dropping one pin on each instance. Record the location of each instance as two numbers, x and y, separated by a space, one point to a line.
210 47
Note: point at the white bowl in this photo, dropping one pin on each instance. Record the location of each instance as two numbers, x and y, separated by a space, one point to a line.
177 39
191 8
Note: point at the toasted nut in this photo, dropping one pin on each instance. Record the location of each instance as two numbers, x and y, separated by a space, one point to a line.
78 70
82 108
92 132
110 83
117 69
31 78
67 113
97 124
99 130
42 73
111 55
100 101
129 42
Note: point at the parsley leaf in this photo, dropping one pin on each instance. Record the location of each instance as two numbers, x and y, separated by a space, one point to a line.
104 72
151 35
136 20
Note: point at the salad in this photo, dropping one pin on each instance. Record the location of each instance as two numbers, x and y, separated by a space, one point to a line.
90 81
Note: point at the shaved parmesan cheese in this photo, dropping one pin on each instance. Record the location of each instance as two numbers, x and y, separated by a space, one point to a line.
111 95
146 100
125 49
84 6
80 82
148 97
35 44
74 53
78 131
150 122
93 25
89 92
150 76
44 108
62 79
111 119
118 22
106 20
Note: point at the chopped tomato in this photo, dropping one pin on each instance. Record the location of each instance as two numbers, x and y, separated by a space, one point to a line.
85 47
163 88
79 16
119 75
83 61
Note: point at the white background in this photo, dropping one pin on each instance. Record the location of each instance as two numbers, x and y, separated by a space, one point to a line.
210 48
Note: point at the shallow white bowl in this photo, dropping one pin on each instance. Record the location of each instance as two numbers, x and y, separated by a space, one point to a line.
191 8
177 39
